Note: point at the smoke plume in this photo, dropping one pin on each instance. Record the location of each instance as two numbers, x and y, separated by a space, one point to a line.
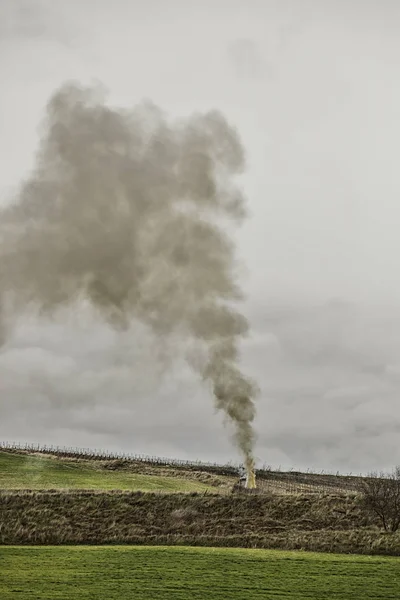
126 209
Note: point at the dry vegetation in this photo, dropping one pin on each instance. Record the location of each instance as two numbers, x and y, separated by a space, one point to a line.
334 523
381 497
289 511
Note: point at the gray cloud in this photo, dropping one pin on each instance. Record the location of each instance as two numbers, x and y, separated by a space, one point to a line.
329 413
247 59
321 136
330 384
34 20
84 387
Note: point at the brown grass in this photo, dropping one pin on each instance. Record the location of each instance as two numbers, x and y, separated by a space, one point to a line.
334 523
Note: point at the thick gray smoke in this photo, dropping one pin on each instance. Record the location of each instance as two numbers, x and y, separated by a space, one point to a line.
125 209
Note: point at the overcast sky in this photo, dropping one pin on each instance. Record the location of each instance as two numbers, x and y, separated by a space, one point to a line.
313 88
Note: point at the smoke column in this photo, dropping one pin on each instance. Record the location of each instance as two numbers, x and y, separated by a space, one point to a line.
126 209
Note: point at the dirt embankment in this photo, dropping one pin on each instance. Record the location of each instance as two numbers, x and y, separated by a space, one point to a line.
319 523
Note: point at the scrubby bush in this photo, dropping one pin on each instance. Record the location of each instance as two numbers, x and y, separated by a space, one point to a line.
381 496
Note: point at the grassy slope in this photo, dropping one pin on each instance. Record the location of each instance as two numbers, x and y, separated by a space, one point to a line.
318 523
323 522
19 471
181 573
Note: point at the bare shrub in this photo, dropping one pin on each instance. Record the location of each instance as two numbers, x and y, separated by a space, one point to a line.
381 495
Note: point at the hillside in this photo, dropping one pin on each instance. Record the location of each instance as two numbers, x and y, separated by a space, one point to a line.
36 471
66 498
326 523
44 468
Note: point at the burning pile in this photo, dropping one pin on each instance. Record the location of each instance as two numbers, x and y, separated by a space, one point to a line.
251 475
247 476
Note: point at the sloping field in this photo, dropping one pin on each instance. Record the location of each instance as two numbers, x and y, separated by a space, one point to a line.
52 499
318 523
145 573
25 471
27 468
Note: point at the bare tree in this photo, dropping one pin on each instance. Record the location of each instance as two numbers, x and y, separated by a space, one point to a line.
381 494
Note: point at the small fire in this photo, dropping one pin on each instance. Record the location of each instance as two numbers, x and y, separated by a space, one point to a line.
251 476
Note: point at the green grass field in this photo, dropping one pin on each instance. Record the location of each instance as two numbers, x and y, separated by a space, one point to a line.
19 471
126 572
